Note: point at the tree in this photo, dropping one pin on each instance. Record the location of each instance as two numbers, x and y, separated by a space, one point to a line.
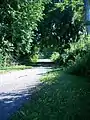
87 14
62 24
18 20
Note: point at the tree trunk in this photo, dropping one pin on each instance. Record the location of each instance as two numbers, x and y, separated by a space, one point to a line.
87 15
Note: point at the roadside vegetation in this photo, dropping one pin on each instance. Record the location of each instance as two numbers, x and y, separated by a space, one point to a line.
13 68
32 27
55 29
61 97
76 59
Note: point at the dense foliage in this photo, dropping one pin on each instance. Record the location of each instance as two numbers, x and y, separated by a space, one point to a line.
28 26
62 24
18 20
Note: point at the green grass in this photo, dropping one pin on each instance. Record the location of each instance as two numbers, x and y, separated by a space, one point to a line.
62 97
13 68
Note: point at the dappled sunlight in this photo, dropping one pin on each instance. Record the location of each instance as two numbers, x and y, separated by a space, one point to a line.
63 96
10 102
44 60
17 87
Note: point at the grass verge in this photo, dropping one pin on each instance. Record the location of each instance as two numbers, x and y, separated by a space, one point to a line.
13 68
61 97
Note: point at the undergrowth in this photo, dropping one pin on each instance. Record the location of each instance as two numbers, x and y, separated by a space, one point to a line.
61 97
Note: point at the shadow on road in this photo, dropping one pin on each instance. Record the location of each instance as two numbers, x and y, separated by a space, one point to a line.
11 102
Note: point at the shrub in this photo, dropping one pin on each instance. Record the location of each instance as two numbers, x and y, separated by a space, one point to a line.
34 58
81 53
55 56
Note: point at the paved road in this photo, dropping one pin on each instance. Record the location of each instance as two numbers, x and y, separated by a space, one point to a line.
45 60
15 89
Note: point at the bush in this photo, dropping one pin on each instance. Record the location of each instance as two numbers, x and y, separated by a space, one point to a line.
81 53
81 66
34 58
72 52
55 56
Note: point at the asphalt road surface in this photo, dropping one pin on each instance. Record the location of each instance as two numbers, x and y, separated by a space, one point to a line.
16 89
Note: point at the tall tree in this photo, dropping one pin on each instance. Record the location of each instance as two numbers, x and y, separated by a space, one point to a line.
62 24
18 20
